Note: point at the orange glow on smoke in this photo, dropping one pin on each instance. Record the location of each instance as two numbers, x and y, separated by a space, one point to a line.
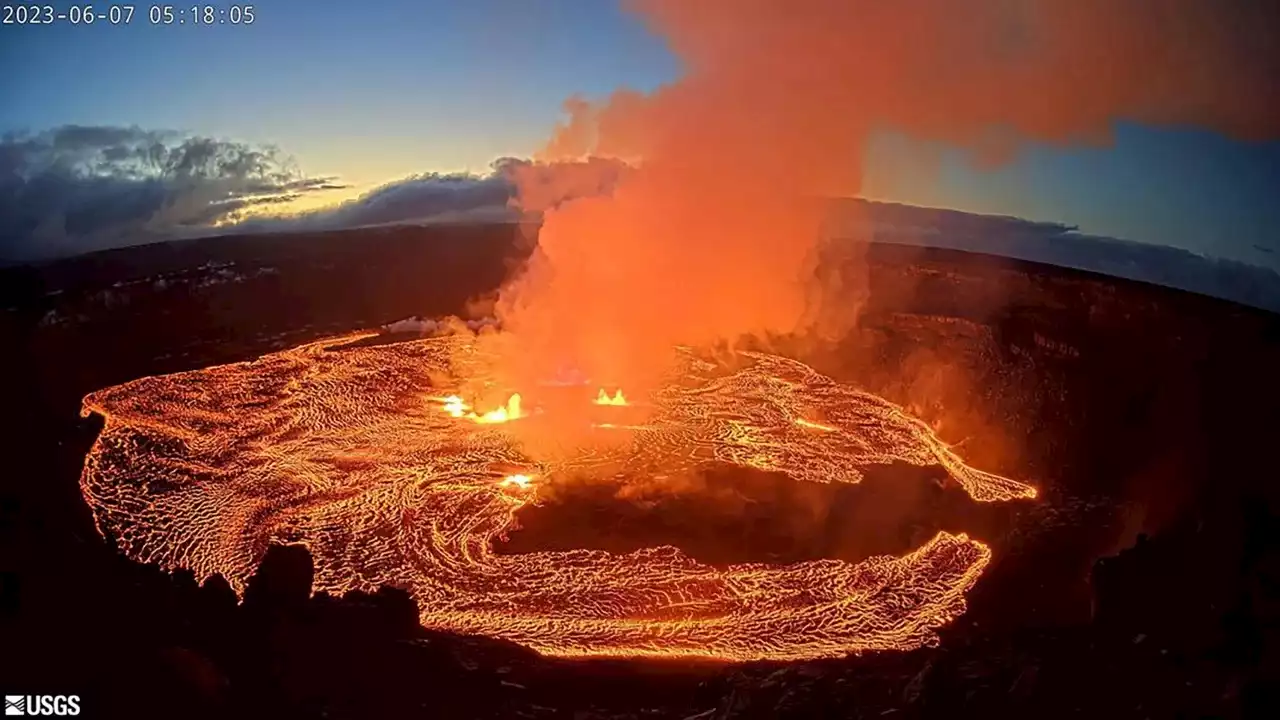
603 398
717 231
331 448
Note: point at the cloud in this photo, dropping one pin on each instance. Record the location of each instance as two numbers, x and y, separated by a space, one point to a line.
76 189
79 188
436 197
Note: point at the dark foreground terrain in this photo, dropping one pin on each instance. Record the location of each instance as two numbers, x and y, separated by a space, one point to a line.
1144 583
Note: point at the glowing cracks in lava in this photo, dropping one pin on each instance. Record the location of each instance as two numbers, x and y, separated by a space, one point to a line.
808 424
383 495
603 398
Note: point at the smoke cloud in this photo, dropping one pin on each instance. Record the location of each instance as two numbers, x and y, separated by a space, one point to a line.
716 233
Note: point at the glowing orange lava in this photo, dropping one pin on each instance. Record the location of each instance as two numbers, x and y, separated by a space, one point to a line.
816 426
518 480
603 398
456 407
334 448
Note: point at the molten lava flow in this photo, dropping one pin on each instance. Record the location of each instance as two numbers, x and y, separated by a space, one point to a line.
603 398
520 481
510 411
456 407
334 449
816 426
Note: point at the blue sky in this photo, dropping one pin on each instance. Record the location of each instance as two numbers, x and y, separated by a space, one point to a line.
376 91
368 90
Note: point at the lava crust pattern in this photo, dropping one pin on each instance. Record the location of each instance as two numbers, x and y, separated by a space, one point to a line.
347 451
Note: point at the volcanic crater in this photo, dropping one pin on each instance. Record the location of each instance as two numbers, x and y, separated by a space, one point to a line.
760 511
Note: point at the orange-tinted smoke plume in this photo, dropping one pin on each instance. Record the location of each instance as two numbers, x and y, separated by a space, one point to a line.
714 234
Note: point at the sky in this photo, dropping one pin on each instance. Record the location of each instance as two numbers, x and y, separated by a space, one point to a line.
369 93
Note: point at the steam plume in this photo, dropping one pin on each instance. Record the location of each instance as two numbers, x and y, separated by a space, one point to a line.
715 234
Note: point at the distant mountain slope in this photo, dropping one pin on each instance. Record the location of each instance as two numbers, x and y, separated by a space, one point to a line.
1040 242
1056 244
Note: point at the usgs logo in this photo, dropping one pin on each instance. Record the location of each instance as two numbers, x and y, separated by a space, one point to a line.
34 705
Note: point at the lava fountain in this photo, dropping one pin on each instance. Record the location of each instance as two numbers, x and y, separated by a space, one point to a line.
389 480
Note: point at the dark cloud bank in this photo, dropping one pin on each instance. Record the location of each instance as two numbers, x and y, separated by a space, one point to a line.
435 197
77 189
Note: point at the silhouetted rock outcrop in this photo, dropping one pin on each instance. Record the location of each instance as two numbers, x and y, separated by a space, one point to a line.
282 583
